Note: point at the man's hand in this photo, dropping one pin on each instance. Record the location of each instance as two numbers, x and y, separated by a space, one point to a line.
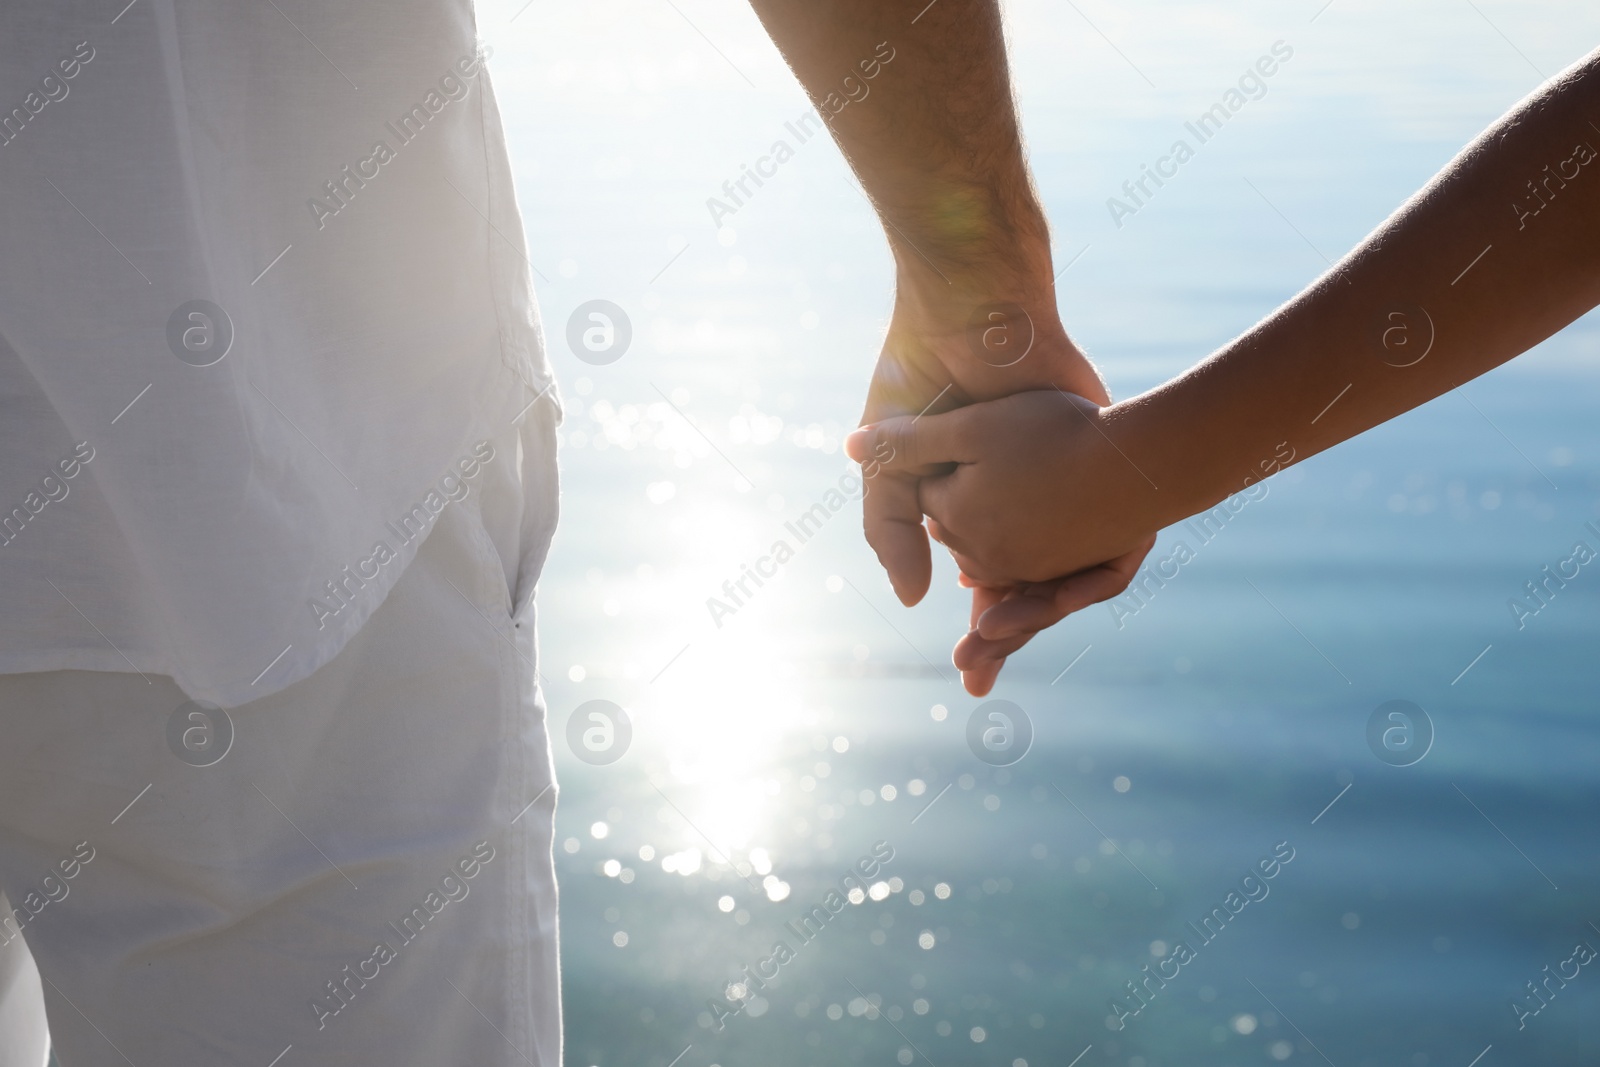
918 97
935 359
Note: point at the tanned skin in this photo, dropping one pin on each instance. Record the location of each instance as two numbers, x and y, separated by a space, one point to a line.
1499 251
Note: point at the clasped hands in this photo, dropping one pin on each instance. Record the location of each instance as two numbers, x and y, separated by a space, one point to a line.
996 427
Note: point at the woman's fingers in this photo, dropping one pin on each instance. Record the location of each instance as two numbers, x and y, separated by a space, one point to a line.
955 505
984 597
980 680
980 661
1040 606
1005 624
1012 621
972 572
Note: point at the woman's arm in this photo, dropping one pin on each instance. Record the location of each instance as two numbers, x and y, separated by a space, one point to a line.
1498 252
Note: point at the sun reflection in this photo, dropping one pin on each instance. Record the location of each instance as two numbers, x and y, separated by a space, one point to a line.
719 734
685 863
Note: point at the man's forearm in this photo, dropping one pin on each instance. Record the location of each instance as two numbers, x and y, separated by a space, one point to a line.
1498 252
933 137
918 95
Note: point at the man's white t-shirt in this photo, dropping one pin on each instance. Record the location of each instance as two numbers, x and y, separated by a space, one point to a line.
263 298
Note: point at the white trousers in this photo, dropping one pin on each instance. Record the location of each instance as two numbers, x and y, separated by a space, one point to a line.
365 877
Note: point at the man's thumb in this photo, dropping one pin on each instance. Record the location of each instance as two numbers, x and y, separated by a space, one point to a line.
906 443
858 444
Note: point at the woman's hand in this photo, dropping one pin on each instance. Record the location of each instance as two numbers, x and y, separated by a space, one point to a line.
1043 511
1039 485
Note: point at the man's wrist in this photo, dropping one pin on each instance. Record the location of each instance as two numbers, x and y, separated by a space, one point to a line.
946 295
993 333
975 286
948 271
